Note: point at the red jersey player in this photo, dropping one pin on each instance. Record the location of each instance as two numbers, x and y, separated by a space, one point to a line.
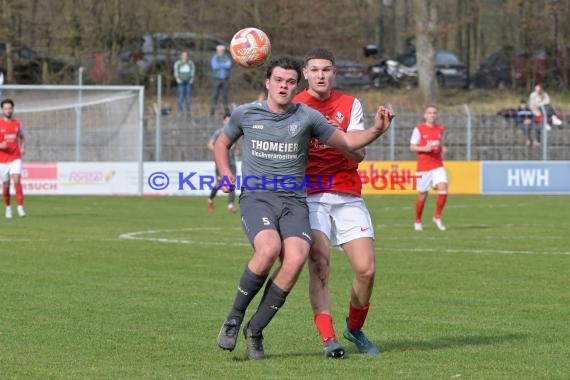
12 147
427 142
337 212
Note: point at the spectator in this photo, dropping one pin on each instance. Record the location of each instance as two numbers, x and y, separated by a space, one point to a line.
184 70
539 100
1 80
221 66
526 123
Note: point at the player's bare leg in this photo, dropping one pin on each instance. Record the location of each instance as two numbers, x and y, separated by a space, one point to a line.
319 267
19 194
360 253
440 203
6 194
212 196
420 203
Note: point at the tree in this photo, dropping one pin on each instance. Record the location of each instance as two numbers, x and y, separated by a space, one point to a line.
425 17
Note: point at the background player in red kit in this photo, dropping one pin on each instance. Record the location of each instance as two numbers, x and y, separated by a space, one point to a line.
337 212
12 147
427 142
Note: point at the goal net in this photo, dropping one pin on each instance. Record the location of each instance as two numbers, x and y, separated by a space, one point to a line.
80 123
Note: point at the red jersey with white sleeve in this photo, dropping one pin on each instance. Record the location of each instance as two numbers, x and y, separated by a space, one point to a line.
10 132
325 162
422 135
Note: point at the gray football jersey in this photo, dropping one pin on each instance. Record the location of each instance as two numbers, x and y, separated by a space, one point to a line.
275 145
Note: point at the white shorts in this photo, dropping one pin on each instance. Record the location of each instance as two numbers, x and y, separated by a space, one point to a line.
9 168
430 179
341 217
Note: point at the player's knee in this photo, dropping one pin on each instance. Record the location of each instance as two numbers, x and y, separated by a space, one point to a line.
366 273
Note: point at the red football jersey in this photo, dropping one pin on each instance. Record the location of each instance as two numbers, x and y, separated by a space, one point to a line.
10 131
327 168
423 134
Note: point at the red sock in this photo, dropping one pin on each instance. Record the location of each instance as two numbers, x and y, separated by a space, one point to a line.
6 192
19 194
420 209
441 198
356 317
325 326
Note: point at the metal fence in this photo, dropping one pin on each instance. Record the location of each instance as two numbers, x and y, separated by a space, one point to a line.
470 135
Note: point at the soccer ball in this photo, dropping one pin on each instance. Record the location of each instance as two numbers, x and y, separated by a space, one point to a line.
250 47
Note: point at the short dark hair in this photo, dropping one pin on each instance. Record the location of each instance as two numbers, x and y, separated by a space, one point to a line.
9 101
286 63
319 53
227 114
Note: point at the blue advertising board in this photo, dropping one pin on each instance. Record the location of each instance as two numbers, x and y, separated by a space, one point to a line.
525 177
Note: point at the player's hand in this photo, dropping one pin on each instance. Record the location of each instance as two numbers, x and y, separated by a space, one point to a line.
428 147
383 119
228 183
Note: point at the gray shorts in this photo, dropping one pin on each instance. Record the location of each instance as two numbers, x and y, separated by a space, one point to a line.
267 210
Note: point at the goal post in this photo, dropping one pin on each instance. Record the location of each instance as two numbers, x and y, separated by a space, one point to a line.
81 123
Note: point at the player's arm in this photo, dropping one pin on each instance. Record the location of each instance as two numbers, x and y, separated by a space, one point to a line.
359 139
420 149
414 143
222 158
22 141
357 155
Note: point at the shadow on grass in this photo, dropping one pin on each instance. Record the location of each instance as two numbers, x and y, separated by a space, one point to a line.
474 227
277 355
448 342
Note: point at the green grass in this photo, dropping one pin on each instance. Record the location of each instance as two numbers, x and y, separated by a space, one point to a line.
488 299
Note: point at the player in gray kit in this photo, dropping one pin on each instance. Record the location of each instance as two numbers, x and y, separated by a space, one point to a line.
276 136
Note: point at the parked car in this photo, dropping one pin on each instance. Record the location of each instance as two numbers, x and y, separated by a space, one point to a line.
543 66
351 74
156 53
494 72
391 72
450 71
27 65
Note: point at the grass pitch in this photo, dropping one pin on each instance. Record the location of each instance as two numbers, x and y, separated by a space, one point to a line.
137 288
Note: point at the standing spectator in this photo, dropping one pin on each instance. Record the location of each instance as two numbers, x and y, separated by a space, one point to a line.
12 148
337 213
426 141
1 80
184 70
539 100
234 151
526 123
221 65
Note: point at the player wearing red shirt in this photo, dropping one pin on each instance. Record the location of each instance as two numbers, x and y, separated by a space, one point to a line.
337 212
12 147
427 142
